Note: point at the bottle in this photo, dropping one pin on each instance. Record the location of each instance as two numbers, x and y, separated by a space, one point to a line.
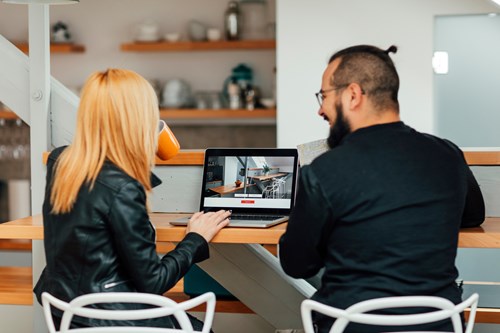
250 97
233 90
232 21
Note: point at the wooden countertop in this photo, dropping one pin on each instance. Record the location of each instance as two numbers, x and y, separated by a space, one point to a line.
196 157
32 228
184 157
485 236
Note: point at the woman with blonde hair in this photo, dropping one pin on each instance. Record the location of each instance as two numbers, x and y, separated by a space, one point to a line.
97 233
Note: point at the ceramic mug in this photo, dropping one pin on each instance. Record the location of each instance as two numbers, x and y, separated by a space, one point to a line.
148 31
197 31
168 146
213 34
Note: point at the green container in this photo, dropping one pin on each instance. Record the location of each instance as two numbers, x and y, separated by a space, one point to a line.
197 282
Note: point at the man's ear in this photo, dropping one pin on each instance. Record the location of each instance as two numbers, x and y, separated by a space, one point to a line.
355 93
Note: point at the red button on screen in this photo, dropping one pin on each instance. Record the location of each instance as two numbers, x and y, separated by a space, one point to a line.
247 201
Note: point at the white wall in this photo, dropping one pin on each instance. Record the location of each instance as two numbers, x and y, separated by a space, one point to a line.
309 32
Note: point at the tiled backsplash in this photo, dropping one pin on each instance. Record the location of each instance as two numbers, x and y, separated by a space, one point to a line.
14 149
14 159
200 137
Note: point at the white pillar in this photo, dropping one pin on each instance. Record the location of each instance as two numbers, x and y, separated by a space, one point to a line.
39 62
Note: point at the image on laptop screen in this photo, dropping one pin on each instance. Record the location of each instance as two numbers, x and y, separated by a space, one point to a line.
249 179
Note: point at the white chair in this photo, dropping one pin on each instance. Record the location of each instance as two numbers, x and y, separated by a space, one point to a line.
163 306
276 189
357 313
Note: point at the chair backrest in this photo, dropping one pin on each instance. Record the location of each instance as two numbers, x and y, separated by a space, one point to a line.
357 313
162 306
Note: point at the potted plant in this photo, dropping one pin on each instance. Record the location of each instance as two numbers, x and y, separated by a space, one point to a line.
266 169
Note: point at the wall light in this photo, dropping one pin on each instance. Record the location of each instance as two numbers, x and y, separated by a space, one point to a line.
496 1
46 2
440 62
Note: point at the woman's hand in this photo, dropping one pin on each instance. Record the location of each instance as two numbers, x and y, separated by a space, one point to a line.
208 224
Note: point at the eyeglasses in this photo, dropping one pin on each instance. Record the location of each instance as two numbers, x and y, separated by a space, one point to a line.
320 94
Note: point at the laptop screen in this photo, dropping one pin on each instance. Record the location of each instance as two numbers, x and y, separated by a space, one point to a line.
249 180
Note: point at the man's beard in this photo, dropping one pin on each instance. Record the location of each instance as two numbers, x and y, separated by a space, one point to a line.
340 129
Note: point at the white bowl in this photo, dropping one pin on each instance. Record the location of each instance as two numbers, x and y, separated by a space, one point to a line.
268 102
172 37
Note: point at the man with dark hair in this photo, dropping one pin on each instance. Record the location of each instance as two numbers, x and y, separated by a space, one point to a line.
380 212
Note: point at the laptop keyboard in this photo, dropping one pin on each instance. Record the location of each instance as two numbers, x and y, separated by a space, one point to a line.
254 217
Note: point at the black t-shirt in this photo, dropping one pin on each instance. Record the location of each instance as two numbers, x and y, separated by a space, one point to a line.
381 214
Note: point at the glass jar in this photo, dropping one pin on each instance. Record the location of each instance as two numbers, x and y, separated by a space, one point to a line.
254 19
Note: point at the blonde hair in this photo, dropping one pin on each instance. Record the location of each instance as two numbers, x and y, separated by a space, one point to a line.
117 121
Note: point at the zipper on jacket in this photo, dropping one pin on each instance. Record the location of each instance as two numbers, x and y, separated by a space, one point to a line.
114 284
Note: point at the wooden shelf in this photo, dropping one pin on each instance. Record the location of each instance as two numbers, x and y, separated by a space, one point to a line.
221 305
217 114
23 245
56 48
9 115
16 287
485 315
194 114
199 46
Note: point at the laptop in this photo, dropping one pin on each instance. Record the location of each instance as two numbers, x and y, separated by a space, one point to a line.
257 185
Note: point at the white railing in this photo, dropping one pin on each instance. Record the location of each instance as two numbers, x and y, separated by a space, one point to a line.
14 93
14 79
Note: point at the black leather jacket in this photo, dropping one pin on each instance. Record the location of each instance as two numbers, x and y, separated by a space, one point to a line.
107 244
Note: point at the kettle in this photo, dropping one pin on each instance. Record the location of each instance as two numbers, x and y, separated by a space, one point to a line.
242 75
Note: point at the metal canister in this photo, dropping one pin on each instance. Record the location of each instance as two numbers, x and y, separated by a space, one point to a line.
232 21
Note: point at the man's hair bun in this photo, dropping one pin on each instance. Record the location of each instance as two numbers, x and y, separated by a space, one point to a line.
391 49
